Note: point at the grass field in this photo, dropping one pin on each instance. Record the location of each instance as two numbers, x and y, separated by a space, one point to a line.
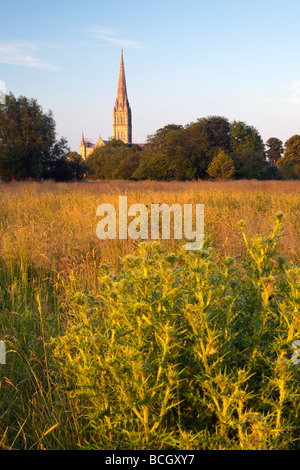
116 345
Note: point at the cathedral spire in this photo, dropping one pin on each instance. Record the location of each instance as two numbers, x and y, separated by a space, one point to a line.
82 147
122 128
122 91
82 140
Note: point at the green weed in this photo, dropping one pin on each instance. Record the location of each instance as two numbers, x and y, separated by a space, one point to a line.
184 350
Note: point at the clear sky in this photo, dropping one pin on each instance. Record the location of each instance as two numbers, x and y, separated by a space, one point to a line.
183 60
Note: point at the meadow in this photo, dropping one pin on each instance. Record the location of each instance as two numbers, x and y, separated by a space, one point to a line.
117 344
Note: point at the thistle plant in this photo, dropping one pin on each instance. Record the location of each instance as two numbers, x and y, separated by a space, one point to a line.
185 350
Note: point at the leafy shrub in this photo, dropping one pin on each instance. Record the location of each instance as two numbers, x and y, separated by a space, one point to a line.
221 166
185 350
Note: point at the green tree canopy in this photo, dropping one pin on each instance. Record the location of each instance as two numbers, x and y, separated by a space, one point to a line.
28 144
244 136
274 149
115 160
184 153
219 133
127 166
69 167
250 164
290 162
292 150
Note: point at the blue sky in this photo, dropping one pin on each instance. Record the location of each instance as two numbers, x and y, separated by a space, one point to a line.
183 60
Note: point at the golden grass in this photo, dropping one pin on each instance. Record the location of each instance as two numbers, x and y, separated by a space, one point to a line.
53 225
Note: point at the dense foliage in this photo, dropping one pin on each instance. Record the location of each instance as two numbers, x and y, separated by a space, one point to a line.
182 153
221 166
290 163
28 145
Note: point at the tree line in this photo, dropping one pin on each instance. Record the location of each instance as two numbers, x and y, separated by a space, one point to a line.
210 148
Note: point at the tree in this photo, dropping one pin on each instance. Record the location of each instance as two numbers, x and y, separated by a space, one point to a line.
250 164
163 155
178 156
128 164
218 129
291 151
290 171
275 149
244 136
70 167
221 166
289 164
104 161
157 140
27 139
153 166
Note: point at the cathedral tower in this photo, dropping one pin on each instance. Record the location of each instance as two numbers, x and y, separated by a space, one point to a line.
122 126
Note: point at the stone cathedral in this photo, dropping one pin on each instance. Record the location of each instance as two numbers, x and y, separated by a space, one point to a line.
122 125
